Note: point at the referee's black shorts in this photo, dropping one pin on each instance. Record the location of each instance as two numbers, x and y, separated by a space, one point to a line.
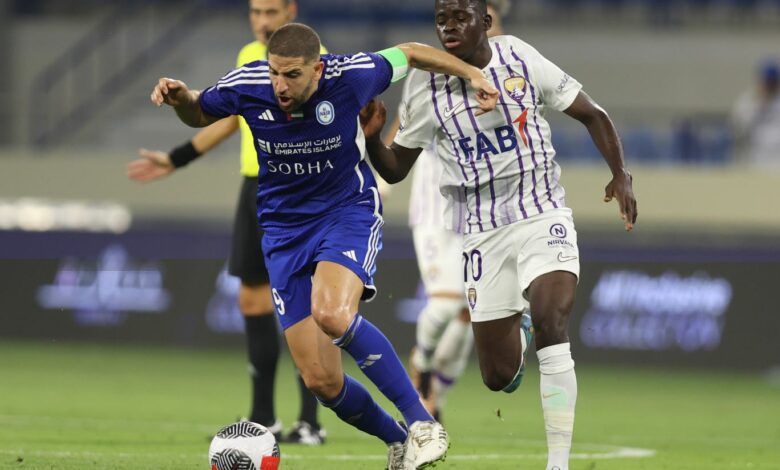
246 254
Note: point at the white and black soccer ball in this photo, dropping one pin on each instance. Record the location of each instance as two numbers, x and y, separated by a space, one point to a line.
244 446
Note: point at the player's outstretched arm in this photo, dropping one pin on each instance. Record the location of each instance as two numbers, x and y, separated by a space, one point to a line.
392 162
605 136
150 166
430 59
153 165
184 101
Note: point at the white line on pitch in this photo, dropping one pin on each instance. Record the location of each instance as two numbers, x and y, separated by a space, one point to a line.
617 453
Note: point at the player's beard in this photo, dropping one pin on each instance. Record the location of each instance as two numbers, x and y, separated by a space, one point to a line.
296 102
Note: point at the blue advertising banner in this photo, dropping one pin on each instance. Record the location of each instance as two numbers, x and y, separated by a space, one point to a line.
660 305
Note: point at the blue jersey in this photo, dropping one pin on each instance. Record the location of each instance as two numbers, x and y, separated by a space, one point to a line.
313 161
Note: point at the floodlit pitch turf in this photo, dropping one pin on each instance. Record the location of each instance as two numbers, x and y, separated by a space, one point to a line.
99 407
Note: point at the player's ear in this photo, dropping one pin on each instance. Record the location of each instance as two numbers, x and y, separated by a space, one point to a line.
318 68
488 19
292 10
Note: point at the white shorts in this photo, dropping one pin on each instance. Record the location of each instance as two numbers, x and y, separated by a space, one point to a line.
439 257
501 263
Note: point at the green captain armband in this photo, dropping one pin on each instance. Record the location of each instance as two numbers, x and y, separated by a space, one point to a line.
397 60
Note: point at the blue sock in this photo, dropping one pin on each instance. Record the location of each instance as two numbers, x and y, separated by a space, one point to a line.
355 406
377 359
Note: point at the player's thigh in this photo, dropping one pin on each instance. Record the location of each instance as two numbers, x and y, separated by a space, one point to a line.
290 293
289 258
352 238
549 245
335 296
498 346
316 357
491 279
439 253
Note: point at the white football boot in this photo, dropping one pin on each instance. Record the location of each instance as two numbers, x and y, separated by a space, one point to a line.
395 457
426 445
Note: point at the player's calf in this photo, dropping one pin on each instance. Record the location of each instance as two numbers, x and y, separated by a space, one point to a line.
526 335
552 297
322 383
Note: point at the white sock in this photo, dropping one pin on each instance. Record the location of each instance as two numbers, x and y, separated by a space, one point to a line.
558 387
451 357
437 314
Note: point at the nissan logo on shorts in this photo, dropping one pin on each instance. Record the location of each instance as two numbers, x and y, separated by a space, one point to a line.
558 231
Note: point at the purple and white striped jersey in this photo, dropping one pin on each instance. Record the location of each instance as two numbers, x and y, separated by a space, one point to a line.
426 203
499 167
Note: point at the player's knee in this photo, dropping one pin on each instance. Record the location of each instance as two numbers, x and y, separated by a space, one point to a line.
497 378
497 374
332 317
441 310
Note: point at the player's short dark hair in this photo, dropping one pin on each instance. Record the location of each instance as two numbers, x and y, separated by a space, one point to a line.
285 2
295 40
480 4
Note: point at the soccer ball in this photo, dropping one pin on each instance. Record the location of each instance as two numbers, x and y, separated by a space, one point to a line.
244 446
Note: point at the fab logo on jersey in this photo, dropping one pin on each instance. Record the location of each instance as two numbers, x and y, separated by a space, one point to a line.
325 113
481 144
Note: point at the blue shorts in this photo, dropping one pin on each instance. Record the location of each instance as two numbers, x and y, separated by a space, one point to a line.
351 237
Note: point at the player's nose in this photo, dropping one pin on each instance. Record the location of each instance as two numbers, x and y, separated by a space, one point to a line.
451 25
280 86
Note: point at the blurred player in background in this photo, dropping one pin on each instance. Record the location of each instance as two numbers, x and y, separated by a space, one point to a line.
756 119
246 257
503 193
320 212
444 336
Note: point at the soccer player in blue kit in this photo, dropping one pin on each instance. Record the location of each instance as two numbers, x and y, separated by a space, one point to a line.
320 211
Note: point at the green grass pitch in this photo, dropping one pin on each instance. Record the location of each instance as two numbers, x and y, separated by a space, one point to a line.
100 407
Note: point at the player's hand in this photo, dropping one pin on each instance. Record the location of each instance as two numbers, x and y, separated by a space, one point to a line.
487 95
373 117
171 92
621 188
152 165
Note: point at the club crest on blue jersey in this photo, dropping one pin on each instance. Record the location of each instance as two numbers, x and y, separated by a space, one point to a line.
515 86
325 113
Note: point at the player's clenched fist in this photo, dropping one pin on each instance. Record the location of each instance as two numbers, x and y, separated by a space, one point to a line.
487 95
171 92
373 117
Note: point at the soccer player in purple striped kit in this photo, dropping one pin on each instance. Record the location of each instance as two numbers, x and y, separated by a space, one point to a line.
503 193
320 211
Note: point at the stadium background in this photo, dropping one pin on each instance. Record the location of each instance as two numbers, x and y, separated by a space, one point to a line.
90 259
